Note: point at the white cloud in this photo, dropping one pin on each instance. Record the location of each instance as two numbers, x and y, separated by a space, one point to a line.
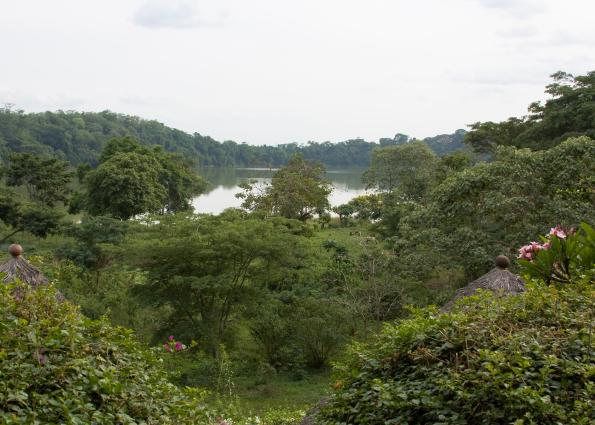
517 8
177 14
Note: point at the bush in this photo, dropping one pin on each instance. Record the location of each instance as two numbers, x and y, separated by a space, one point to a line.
56 366
526 359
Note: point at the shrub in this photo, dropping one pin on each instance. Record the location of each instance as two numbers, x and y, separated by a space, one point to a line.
526 359
56 366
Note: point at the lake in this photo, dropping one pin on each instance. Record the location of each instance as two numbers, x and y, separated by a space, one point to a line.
224 184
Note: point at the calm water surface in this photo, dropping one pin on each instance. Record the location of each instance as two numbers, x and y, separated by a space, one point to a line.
347 183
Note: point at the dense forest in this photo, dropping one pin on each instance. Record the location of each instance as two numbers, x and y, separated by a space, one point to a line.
79 137
239 318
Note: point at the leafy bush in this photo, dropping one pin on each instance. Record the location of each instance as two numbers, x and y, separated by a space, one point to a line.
525 359
56 366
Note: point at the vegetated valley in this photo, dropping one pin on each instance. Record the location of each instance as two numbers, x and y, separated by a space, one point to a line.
154 314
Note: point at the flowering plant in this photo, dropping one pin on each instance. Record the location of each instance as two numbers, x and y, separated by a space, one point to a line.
172 346
563 255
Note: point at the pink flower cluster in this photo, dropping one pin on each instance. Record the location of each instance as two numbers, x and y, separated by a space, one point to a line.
528 252
558 232
172 345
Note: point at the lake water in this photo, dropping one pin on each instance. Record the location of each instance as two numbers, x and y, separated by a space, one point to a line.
224 184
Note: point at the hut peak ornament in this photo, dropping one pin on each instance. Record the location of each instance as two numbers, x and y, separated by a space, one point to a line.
18 268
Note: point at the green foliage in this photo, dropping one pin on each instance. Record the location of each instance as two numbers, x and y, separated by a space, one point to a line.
38 220
367 207
124 186
207 269
319 328
272 417
297 191
491 208
58 367
132 179
93 237
568 112
344 211
80 136
47 180
525 359
408 167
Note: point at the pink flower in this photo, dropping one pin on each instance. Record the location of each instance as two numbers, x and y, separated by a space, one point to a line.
178 346
558 232
526 252
546 246
171 337
167 347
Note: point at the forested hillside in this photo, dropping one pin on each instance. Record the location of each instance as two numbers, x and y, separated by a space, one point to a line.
78 137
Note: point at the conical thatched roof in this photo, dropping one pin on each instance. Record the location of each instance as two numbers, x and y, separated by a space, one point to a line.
498 280
19 268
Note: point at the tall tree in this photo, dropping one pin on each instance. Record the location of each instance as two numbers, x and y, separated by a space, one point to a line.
38 220
298 190
46 179
570 111
133 179
408 167
125 185
206 268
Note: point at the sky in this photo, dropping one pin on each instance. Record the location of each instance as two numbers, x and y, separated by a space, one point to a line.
281 71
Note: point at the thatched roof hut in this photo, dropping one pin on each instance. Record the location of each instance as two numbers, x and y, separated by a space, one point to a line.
498 280
19 268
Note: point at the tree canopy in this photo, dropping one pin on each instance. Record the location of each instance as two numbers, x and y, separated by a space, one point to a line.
133 179
79 138
298 190
410 167
570 111
46 179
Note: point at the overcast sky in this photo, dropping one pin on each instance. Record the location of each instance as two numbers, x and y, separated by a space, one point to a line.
278 71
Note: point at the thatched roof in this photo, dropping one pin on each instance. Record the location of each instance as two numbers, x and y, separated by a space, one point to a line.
498 280
19 268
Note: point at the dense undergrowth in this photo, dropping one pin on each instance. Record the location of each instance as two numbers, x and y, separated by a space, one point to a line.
56 366
524 360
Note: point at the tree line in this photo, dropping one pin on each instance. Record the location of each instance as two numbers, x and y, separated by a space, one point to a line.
79 137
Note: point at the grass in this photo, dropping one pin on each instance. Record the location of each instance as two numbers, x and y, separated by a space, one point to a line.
281 392
353 238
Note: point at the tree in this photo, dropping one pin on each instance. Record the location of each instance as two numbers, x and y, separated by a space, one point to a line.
344 211
298 191
367 207
125 185
132 179
180 181
568 112
409 167
94 238
489 209
47 180
207 268
40 221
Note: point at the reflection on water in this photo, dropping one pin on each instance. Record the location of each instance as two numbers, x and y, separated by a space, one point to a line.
224 184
